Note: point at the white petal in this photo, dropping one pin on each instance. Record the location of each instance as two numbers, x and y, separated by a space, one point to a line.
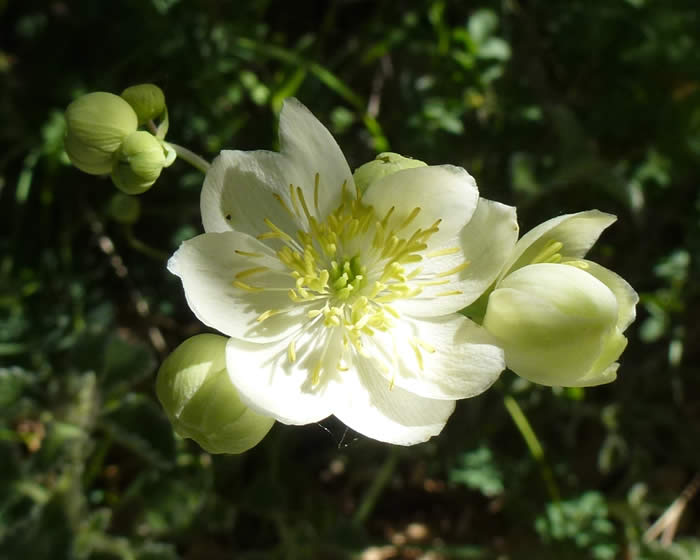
625 294
243 188
485 243
442 192
447 357
239 193
208 266
364 401
272 385
577 232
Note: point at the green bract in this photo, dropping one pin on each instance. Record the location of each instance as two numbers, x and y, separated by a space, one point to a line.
147 100
200 401
384 164
96 125
140 159
558 317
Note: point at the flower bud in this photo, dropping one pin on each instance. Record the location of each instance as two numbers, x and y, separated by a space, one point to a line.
195 390
140 159
96 124
558 324
384 164
147 100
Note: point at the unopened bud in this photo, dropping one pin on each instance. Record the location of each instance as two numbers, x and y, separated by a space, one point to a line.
201 402
96 124
384 164
147 100
557 324
140 159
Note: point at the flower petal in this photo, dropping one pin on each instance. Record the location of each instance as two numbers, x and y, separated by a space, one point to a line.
243 188
447 357
271 384
626 297
208 266
365 402
442 192
485 243
576 232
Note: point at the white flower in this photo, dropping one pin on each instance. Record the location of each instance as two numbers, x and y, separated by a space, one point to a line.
344 303
559 318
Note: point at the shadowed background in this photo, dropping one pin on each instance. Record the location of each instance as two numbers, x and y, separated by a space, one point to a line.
555 107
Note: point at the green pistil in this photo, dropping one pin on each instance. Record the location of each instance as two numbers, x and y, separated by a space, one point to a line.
347 277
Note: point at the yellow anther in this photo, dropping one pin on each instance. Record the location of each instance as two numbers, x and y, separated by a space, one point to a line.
549 251
316 376
291 352
427 283
313 313
279 199
425 346
443 252
251 271
455 270
293 198
275 233
267 314
248 254
417 352
316 181
247 287
450 293
385 219
410 217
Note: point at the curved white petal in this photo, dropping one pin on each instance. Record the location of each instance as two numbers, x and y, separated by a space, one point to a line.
627 298
270 383
208 266
364 401
447 357
442 192
485 243
577 233
242 189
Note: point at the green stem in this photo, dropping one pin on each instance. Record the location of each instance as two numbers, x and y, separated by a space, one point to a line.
533 445
190 157
378 484
142 247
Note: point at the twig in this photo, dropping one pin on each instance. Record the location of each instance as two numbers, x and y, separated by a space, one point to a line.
667 524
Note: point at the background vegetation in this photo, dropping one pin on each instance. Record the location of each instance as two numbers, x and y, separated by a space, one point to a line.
555 106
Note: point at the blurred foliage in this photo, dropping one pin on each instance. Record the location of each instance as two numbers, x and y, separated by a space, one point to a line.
555 106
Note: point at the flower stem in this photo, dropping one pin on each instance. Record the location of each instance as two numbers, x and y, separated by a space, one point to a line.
190 157
533 445
375 490
142 247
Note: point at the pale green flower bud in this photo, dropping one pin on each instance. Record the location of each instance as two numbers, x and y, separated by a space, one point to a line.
140 159
558 324
201 402
147 100
96 124
384 164
124 209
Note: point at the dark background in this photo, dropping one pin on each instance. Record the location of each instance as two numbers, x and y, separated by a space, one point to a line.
554 106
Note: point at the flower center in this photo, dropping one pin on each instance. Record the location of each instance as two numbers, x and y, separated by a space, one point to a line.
350 267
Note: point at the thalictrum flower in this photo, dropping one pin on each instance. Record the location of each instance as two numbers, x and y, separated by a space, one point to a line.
560 318
341 302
